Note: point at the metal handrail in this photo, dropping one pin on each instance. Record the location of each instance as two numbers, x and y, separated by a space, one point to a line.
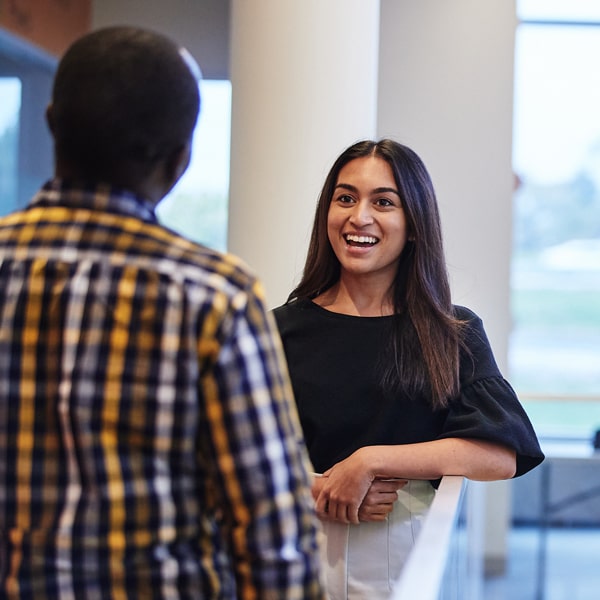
423 574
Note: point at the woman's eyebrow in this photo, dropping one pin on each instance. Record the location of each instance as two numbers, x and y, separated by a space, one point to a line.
379 190
346 186
383 190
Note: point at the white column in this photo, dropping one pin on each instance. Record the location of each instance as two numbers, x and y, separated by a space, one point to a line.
304 86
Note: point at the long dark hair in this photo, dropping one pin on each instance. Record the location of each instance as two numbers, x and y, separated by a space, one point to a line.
423 356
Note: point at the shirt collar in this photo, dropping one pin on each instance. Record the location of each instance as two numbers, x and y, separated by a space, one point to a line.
58 192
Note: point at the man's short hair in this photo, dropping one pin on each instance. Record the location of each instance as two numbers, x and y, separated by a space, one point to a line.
123 94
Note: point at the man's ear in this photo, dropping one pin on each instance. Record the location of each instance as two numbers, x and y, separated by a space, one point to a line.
177 163
50 118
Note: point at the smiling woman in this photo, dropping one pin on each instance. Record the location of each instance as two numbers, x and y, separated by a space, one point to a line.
395 386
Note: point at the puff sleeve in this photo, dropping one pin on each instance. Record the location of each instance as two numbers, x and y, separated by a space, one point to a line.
487 407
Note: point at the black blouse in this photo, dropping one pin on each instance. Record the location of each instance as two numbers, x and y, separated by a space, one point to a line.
333 364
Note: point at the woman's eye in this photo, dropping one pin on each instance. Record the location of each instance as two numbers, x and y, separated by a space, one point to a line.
384 202
345 198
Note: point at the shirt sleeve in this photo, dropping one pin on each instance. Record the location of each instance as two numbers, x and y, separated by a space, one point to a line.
262 464
487 407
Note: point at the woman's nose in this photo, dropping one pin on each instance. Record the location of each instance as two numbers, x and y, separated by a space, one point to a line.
361 214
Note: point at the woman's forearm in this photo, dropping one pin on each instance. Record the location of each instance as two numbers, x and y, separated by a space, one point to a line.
340 492
474 459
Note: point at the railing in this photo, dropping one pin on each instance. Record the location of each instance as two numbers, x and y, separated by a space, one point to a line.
439 564
447 561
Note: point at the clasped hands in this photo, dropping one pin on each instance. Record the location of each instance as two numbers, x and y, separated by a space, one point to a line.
349 493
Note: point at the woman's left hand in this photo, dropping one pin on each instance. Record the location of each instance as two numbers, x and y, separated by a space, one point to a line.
380 499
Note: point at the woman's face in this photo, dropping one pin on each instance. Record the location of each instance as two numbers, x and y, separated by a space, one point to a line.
366 225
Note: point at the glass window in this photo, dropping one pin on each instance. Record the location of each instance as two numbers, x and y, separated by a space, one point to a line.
197 206
559 10
10 107
555 345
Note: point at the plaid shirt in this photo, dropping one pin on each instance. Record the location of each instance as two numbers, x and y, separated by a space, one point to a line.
149 447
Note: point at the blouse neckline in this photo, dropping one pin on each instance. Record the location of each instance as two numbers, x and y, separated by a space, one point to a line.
337 315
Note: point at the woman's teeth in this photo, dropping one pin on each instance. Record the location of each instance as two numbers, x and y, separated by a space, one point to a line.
361 239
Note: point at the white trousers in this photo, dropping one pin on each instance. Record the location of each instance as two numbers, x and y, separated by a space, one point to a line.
363 562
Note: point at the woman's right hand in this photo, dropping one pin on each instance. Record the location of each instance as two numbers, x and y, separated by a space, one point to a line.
377 504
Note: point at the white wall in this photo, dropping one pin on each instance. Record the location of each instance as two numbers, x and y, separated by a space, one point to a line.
303 90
